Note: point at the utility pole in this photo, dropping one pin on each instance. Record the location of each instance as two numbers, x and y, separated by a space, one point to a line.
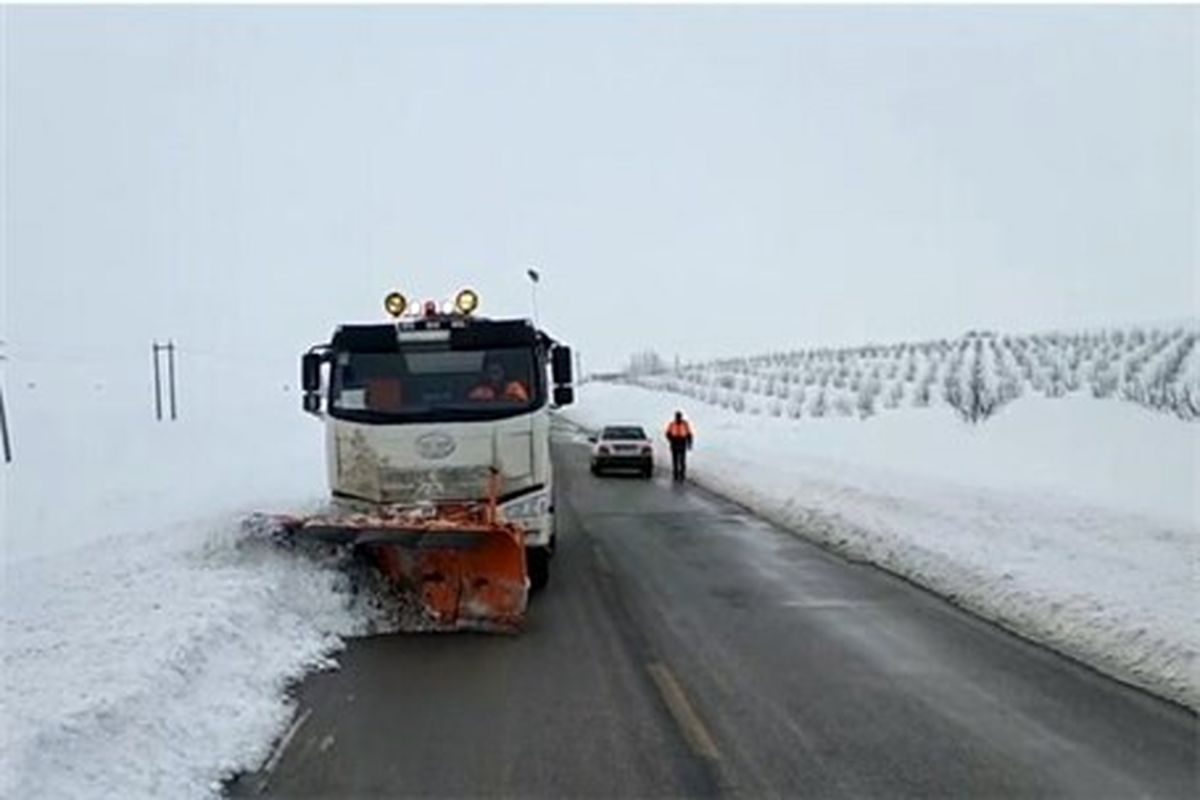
4 430
157 384
171 373
169 349
4 421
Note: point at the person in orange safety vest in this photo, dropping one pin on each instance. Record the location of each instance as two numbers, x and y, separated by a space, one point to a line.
494 387
679 435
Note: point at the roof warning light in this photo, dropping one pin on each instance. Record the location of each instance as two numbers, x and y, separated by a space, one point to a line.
467 301
395 304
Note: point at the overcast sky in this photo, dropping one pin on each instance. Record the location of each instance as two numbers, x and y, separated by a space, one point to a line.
705 181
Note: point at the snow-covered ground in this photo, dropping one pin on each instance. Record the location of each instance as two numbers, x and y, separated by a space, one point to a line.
155 664
1072 521
146 640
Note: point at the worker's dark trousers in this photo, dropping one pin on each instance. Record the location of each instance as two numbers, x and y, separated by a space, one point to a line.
678 462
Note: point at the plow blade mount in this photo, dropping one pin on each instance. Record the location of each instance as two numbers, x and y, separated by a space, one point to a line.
464 569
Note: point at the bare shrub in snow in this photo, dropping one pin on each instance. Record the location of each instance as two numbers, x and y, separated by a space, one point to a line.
819 405
867 393
646 362
975 375
923 391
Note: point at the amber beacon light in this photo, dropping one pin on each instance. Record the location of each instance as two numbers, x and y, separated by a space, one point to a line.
467 301
395 304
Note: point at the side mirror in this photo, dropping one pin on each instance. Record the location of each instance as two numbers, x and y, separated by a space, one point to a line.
560 364
310 372
593 439
563 396
312 403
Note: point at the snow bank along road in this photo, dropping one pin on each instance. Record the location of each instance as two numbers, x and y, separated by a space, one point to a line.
685 647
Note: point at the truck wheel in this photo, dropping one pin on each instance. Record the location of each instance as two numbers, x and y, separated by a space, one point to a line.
537 561
647 472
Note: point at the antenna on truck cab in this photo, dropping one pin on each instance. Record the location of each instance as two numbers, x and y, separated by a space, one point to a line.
534 277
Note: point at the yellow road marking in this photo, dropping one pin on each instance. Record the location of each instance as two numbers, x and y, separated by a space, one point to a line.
697 736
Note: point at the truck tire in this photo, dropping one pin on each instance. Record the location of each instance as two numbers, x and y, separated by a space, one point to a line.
537 561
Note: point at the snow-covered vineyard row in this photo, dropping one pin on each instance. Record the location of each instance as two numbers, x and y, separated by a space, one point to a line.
975 374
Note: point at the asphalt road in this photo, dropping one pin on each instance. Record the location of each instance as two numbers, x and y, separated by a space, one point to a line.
686 648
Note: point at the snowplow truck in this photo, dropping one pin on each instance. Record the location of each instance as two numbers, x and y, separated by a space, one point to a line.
437 449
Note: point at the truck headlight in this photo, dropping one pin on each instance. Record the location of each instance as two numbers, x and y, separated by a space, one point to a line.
529 508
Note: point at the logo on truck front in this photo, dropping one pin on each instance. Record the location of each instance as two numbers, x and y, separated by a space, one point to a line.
435 446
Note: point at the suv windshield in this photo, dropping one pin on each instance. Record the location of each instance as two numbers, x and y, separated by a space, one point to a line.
432 381
624 432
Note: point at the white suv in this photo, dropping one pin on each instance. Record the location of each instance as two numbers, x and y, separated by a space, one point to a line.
624 447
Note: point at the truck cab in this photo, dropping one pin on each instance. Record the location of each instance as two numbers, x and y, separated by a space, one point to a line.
432 407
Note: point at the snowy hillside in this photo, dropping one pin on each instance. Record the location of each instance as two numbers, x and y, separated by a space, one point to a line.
975 375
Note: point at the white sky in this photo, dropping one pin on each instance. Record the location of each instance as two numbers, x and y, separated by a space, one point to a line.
706 181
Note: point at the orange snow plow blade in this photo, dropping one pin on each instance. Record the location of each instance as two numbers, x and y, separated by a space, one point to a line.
465 569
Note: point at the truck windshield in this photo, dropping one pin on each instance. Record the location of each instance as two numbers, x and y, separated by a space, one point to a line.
433 382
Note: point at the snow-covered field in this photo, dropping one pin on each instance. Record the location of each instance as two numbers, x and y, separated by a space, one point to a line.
974 375
147 641
1072 521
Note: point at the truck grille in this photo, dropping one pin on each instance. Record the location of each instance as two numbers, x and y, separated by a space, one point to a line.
428 485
